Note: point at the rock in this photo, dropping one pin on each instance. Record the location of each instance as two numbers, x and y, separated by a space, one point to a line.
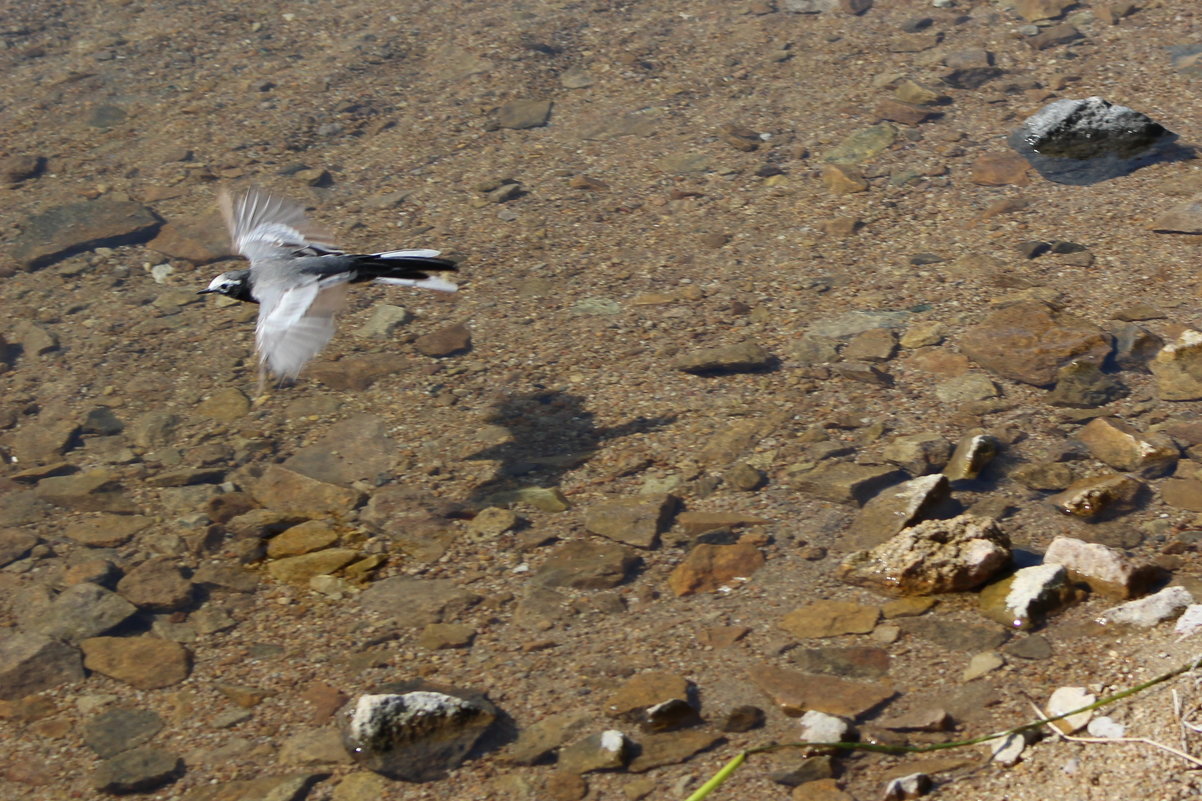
707 568
1082 142
919 454
843 179
794 692
416 735
312 535
20 167
1121 446
670 715
383 322
982 663
743 719
607 750
1098 496
844 482
291 787
644 691
65 230
444 342
856 662
300 570
739 137
356 373
670 748
586 565
157 585
809 6
1022 600
545 499
954 635
147 663
1190 621
1178 367
1083 385
863 372
820 790
321 746
226 405
196 243
538 742
85 610
1000 169
287 491
31 663
521 114
914 785
41 442
694 523
743 357
744 477
440 636
1147 612
360 786
924 719
89 491
1134 346
819 727
931 557
895 508
563 785
1035 10
15 544
862 145
1009 749
1068 699
137 771
973 454
1028 342
1104 569
418 602
965 389
1183 218
1182 493
1045 476
830 619
120 729
491 522
888 108
635 521
356 449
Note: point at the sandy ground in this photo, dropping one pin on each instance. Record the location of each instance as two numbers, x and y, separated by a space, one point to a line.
639 234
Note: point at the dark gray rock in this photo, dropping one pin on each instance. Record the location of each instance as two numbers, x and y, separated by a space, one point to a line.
586 565
137 771
62 231
30 663
82 611
120 729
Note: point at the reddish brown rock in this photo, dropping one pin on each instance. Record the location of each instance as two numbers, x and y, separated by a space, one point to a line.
708 567
1029 342
445 341
1000 169
147 663
795 693
830 619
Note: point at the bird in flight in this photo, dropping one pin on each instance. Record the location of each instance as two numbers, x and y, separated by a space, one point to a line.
299 278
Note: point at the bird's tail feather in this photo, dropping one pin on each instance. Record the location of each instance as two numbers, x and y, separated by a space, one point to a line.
433 282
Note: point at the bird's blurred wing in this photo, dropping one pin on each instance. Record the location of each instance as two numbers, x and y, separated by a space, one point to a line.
263 226
295 323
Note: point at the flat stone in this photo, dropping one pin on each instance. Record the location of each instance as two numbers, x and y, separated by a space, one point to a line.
383 323
82 611
42 442
65 230
966 389
1083 385
820 790
289 787
606 750
586 565
157 585
521 114
1000 169
646 690
635 521
657 750
31 663
120 729
844 482
444 342
357 373
1098 496
147 663
89 491
1123 447
545 499
360 786
418 734
226 405
795 693
931 557
1029 342
1182 493
1043 476
321 746
743 718
197 243
1147 612
301 569
830 619
1068 699
15 544
709 567
895 508
982 663
137 771
863 145
693 523
843 179
954 635
538 742
741 357
855 662
287 491
919 454
312 535
418 602
440 636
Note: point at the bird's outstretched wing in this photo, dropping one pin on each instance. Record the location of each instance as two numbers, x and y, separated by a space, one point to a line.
296 322
264 226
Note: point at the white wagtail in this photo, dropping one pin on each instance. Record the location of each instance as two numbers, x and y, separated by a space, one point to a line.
299 278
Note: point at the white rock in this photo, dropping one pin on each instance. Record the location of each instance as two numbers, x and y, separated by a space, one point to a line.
1096 564
819 727
1009 749
1147 612
1066 699
1106 727
982 663
907 787
1190 620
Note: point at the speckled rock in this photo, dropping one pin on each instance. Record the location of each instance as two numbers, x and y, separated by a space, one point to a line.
1105 570
30 663
935 556
287 491
586 565
606 750
1149 611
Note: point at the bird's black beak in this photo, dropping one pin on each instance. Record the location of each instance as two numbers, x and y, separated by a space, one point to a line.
205 291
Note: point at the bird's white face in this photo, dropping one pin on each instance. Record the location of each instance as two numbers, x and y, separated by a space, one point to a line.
225 284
